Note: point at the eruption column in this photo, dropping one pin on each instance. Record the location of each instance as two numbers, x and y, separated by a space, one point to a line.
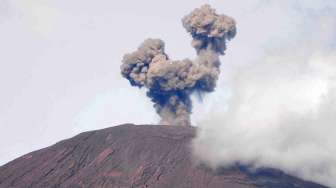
170 83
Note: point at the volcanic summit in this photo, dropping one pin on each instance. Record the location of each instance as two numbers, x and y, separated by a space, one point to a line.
133 156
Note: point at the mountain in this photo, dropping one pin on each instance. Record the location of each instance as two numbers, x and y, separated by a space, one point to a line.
132 156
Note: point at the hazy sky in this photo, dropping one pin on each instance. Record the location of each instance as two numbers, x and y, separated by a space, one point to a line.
59 59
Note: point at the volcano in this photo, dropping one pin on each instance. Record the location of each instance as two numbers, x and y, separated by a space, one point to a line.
133 156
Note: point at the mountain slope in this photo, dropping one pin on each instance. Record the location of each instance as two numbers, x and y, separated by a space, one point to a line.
132 156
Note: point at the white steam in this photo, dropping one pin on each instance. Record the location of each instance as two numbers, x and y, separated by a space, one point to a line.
281 112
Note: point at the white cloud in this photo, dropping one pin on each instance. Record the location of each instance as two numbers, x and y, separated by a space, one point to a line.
281 108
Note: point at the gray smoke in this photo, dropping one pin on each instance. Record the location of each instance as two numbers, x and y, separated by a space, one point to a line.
170 83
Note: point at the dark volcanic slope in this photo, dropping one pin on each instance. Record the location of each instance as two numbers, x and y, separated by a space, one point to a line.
131 156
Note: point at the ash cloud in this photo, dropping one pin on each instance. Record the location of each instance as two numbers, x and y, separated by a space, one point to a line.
170 83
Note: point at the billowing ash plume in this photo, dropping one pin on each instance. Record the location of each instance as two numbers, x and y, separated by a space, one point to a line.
170 83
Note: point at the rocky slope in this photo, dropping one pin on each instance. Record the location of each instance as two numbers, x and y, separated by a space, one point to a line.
132 156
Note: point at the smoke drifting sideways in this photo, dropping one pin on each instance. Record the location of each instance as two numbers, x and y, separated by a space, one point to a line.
170 83
280 109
